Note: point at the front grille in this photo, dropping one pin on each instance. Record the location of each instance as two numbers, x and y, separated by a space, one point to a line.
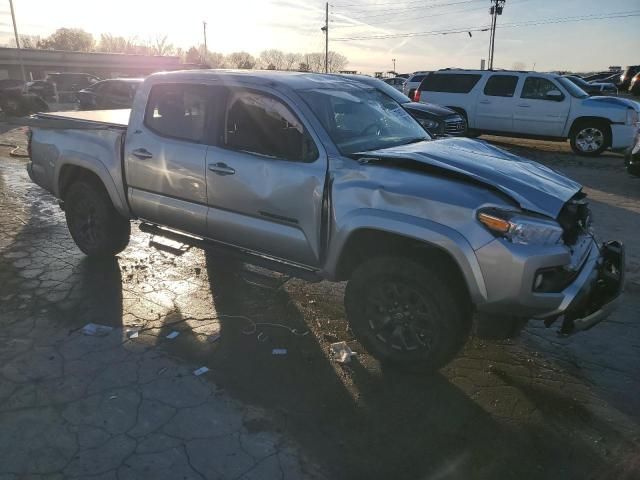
454 126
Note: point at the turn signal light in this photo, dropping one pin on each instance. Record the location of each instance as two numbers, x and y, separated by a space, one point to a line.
494 223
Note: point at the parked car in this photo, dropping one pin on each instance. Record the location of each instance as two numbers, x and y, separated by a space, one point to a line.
634 86
534 105
412 83
603 76
325 178
632 157
42 88
16 102
627 75
66 84
395 82
436 120
108 94
593 88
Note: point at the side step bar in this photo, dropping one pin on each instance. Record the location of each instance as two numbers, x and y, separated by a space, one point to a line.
227 251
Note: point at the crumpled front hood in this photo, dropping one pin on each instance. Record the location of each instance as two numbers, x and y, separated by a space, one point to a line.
535 187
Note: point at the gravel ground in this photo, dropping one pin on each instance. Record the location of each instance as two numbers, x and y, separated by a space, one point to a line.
75 406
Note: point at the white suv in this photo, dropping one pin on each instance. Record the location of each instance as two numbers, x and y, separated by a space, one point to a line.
536 105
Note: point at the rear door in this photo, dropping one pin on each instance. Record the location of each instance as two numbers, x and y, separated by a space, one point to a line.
265 178
541 109
165 155
496 103
453 90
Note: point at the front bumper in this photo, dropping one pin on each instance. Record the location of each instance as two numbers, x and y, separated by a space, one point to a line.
632 157
510 270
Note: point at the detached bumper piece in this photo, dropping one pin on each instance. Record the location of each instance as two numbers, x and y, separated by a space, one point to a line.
601 294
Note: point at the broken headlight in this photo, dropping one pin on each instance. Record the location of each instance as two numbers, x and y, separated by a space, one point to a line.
520 228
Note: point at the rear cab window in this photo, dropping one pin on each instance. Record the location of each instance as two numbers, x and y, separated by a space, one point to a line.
501 85
450 82
178 111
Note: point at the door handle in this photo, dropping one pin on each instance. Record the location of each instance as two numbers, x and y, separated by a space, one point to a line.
524 105
486 102
142 153
221 168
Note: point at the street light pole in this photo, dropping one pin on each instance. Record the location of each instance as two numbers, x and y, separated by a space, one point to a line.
394 65
204 32
15 32
326 38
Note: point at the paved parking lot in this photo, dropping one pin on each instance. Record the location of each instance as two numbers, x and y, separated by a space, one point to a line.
77 406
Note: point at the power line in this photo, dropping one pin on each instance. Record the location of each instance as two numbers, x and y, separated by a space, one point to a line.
385 13
549 21
364 6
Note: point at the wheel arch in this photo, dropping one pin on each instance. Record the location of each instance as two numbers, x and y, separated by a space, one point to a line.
382 235
578 121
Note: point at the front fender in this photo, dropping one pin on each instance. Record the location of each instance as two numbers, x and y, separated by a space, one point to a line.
426 231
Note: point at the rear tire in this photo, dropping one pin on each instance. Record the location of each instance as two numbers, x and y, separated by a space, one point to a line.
94 223
406 315
590 138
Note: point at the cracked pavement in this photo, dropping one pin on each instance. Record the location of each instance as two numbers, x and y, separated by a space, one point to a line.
114 407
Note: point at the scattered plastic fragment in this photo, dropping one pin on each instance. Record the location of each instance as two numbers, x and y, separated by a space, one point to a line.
173 335
341 352
162 370
262 337
113 397
96 330
279 351
133 333
200 371
214 338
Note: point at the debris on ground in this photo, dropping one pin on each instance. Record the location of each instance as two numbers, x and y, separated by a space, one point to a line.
173 335
133 333
341 352
279 351
96 330
200 371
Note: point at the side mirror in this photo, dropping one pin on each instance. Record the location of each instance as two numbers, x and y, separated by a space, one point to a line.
555 95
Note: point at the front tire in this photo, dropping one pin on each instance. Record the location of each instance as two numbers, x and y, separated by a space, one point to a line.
590 139
405 314
94 223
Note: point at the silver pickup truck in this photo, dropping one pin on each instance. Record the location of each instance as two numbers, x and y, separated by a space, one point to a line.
324 177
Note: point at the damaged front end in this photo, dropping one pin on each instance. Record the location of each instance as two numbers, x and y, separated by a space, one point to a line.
595 284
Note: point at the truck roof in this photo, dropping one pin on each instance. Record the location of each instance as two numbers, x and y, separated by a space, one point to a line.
293 80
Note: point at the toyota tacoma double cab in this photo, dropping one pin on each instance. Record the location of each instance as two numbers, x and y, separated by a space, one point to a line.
326 178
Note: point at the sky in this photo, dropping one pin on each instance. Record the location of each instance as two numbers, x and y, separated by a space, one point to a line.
294 25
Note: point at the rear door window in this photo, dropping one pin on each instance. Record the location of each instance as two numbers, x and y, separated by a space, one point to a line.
501 86
178 111
260 124
450 82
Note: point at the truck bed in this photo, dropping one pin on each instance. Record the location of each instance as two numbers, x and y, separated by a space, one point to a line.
88 118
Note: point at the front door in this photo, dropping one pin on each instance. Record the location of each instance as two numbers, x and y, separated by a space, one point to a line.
542 108
265 179
496 103
165 153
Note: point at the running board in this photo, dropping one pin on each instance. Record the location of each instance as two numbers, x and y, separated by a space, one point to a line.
227 251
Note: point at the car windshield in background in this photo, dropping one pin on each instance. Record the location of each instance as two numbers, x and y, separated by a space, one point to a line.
572 88
359 120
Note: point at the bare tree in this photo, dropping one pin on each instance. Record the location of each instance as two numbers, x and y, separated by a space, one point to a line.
291 60
336 62
519 66
70 39
242 60
272 59
28 41
161 46
216 60
193 55
115 44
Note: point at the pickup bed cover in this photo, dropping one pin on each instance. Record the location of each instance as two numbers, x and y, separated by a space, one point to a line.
104 118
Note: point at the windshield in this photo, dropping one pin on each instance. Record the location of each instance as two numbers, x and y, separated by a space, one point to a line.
573 89
362 119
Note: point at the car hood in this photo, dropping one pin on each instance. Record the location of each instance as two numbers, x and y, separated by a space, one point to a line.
535 187
435 110
609 101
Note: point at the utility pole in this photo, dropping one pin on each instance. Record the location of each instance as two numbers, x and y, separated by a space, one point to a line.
15 32
495 10
325 29
204 31
394 65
